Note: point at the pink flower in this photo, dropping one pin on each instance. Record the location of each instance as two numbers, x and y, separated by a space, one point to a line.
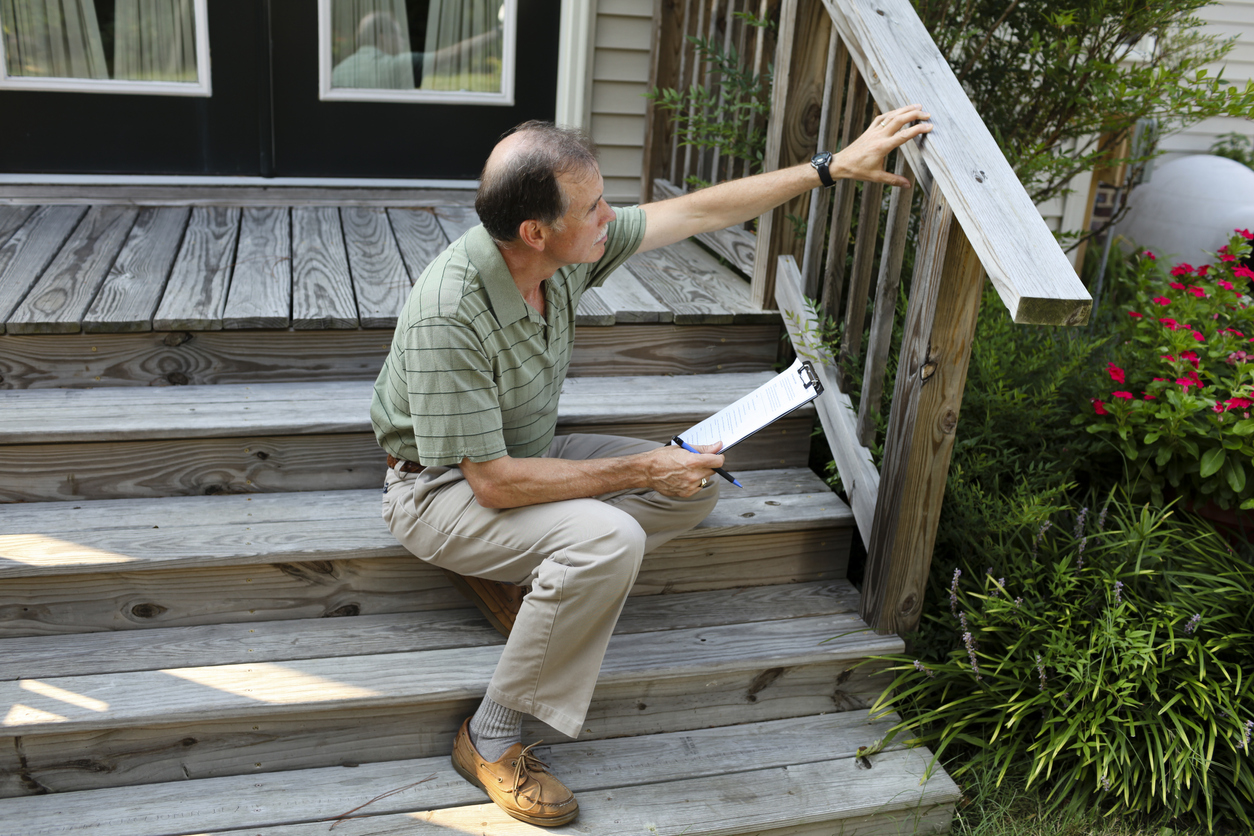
1233 331
1160 380
1116 373
1149 397
1226 285
1191 356
1182 270
1162 300
1127 396
1184 382
1197 335
1240 403
1197 291
1135 314
1150 256
1227 258
1099 406
1245 233
1170 323
1218 407
1243 272
1169 359
1177 286
1201 271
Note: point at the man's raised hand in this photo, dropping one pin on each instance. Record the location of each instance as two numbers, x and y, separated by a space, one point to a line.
863 159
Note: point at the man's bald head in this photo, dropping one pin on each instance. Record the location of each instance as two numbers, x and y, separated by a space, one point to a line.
520 179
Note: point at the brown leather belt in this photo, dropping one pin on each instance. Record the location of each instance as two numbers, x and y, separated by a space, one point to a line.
404 466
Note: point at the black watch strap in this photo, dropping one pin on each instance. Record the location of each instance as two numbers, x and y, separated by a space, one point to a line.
820 162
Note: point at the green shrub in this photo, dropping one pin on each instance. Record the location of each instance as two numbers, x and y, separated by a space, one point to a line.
1183 383
1107 654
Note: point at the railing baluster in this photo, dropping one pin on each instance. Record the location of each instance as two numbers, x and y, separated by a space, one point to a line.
690 167
931 374
664 71
791 138
760 57
833 84
686 59
722 90
838 240
885 305
860 281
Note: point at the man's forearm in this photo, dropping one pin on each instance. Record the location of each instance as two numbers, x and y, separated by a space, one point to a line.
512 483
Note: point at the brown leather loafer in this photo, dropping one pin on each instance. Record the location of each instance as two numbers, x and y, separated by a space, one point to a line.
519 783
499 602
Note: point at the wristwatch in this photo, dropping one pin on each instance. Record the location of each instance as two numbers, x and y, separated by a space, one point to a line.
820 161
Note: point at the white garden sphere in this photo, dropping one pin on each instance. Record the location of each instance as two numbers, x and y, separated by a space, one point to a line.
1190 207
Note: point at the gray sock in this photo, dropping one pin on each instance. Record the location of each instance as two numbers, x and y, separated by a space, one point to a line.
494 729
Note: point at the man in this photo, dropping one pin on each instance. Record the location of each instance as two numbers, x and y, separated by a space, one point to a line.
466 406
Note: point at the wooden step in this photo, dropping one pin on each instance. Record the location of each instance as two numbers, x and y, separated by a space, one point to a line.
178 358
181 561
73 444
756 777
94 730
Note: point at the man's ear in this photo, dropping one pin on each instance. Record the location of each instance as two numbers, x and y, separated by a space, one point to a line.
533 234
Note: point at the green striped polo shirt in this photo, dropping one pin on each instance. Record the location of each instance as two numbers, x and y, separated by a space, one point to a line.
474 371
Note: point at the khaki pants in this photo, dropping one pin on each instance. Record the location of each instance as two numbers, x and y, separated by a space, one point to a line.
580 557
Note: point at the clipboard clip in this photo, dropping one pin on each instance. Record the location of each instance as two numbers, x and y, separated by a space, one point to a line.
809 378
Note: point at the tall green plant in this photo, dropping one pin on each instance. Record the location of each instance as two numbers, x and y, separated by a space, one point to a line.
730 117
1107 654
1051 74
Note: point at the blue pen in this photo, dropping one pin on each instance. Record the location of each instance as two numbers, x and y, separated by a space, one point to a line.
718 470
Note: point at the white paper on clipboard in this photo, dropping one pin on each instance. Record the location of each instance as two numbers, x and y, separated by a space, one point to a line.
794 387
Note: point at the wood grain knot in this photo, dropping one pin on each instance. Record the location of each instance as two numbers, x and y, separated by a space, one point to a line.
949 421
908 604
344 611
979 176
177 338
927 370
177 379
147 610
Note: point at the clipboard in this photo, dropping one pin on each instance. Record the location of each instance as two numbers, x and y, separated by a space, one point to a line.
790 390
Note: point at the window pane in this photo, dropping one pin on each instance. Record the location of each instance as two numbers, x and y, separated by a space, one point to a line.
131 40
452 45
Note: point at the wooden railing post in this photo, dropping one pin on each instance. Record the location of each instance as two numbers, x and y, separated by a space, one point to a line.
792 133
931 375
668 42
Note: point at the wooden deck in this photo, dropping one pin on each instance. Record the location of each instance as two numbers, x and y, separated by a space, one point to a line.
118 268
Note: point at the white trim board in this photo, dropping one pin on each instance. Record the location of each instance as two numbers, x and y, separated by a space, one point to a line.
575 53
505 98
202 87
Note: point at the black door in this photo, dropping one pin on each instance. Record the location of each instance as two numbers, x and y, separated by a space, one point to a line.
265 116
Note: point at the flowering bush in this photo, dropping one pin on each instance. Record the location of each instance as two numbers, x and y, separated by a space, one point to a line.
1104 653
1183 392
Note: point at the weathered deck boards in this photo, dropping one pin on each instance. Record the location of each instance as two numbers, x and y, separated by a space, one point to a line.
38 657
308 266
261 287
194 532
419 236
133 288
322 288
215 357
196 293
31 249
374 258
216 804
59 299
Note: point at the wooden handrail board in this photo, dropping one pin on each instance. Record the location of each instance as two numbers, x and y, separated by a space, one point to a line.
853 461
111 701
120 651
191 532
316 795
901 64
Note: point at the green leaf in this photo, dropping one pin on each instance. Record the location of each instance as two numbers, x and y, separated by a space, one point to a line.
1235 473
1151 437
1212 460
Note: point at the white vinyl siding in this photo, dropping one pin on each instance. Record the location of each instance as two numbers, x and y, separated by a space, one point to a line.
620 78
